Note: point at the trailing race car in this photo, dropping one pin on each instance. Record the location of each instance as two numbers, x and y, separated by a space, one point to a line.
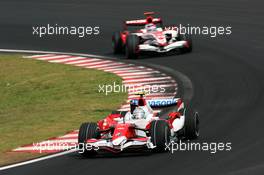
134 40
139 128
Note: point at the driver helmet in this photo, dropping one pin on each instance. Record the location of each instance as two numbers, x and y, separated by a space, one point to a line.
138 114
150 27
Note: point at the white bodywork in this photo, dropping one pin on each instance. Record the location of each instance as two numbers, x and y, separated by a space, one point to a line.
121 142
175 45
171 45
177 124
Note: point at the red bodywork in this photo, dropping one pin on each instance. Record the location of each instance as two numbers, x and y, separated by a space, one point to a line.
112 119
160 37
124 129
138 22
172 117
114 126
109 121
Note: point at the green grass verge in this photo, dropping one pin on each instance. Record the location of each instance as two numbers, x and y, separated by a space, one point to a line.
39 100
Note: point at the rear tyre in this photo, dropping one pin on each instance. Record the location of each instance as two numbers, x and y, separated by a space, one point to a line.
160 134
132 46
191 125
117 43
87 131
188 47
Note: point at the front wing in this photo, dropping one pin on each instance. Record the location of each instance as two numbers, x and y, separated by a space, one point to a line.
114 146
172 46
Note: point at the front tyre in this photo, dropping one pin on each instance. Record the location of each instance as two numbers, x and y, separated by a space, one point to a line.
132 46
160 134
87 131
117 43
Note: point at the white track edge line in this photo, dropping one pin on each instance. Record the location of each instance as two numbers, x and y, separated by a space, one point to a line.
37 159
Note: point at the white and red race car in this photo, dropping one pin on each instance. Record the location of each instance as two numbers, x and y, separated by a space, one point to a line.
152 38
139 128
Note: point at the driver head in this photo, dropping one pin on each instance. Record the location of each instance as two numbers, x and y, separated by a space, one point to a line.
150 27
138 113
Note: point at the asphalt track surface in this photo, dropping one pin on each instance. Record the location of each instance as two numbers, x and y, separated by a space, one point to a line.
227 75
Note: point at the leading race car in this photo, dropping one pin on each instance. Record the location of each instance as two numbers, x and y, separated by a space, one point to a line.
135 39
139 128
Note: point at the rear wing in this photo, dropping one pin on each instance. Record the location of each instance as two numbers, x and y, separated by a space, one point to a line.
142 22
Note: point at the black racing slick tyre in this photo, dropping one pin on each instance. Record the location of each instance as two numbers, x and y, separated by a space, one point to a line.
117 43
132 46
160 134
188 48
191 124
87 131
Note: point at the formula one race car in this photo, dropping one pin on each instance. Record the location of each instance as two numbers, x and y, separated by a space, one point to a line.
152 38
139 128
